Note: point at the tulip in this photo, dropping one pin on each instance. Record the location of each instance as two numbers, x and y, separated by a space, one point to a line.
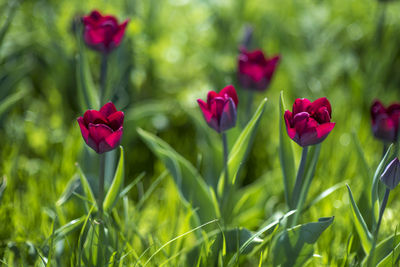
255 71
103 33
220 109
391 176
310 122
385 121
102 130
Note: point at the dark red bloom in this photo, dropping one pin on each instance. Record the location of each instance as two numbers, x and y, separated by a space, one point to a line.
385 121
102 130
254 70
310 122
103 33
220 109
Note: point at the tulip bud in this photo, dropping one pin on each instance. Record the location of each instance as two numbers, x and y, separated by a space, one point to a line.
103 33
220 109
254 70
385 121
391 176
310 122
102 130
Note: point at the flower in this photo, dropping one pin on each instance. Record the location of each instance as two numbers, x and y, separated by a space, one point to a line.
103 33
102 130
391 175
220 109
310 122
254 70
385 121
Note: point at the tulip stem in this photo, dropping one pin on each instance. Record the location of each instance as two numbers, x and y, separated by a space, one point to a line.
103 78
299 178
100 252
225 148
381 210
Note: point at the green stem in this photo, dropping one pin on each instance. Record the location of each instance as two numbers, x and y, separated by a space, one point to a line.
100 252
103 78
226 188
225 151
381 210
299 178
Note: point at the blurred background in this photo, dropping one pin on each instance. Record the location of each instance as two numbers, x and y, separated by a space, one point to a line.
173 53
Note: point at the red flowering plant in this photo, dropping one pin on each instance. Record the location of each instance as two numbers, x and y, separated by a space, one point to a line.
308 124
102 131
213 200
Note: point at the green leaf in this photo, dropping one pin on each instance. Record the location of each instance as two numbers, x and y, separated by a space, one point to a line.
115 188
361 226
361 155
384 249
392 259
294 246
242 145
286 156
191 186
69 190
68 228
235 238
7 20
375 182
86 88
86 187
3 186
10 100
257 235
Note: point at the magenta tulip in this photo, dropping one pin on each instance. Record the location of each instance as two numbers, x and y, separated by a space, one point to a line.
103 33
220 109
102 130
385 121
255 71
310 122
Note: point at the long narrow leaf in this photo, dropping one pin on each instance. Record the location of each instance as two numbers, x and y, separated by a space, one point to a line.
361 226
286 156
191 186
115 188
375 182
242 145
86 187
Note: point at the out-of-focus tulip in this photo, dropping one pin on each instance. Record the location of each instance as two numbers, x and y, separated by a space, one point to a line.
385 121
255 71
103 33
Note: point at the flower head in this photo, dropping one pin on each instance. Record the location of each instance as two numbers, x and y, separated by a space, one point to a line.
385 121
310 122
255 71
220 109
103 33
391 175
102 130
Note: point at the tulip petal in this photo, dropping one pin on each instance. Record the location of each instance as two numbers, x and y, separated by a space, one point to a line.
391 175
228 117
114 139
300 105
217 106
211 120
84 130
317 104
116 120
376 109
324 129
231 92
93 116
308 138
288 121
97 134
120 33
108 109
210 96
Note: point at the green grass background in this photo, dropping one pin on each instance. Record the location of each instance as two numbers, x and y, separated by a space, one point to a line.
173 52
